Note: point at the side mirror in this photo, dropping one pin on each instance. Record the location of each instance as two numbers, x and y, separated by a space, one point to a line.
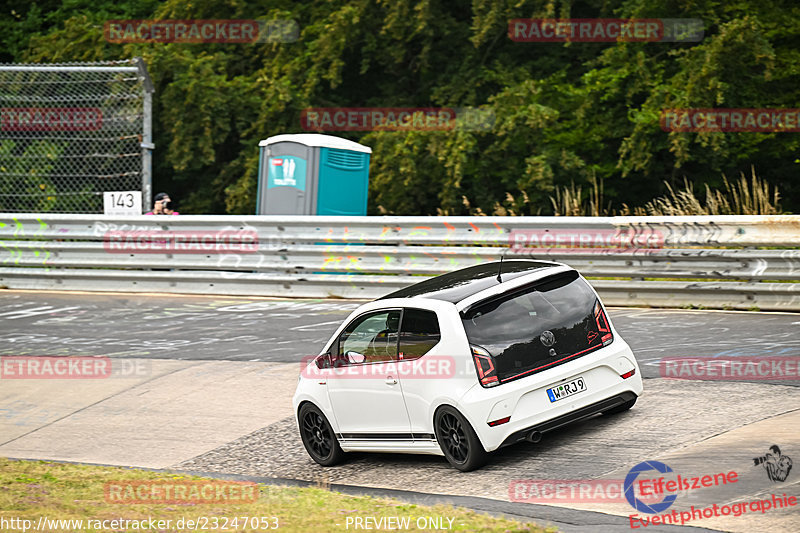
324 361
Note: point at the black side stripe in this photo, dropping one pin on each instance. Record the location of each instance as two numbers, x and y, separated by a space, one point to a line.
386 436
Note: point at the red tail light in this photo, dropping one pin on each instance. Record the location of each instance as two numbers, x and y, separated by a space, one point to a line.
602 324
626 375
499 421
487 373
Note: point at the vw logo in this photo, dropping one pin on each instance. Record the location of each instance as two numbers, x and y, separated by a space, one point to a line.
547 338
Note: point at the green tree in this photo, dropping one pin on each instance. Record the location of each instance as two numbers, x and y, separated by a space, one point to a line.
566 113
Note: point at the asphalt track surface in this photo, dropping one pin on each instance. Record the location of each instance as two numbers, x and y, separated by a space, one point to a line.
694 426
162 326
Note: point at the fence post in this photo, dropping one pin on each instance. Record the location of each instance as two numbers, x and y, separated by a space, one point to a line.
147 136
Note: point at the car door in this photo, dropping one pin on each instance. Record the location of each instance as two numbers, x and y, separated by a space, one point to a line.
419 334
364 387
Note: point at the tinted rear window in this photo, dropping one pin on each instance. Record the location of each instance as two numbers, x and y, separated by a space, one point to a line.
419 333
511 327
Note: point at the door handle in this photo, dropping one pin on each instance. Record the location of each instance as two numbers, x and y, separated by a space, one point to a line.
391 381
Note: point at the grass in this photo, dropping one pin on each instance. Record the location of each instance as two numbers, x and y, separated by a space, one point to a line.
743 196
31 489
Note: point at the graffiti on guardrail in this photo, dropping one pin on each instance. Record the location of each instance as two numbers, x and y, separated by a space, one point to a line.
99 229
231 264
680 233
15 252
368 256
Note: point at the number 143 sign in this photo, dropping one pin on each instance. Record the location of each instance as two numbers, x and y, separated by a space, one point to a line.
122 203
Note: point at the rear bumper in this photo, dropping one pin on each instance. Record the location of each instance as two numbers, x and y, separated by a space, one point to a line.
574 416
526 403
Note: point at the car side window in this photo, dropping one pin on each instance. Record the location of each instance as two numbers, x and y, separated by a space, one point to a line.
418 333
370 338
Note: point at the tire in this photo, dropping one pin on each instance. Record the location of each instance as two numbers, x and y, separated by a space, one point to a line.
458 441
318 436
621 408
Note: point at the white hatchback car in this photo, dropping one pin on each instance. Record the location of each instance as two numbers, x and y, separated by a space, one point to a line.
464 363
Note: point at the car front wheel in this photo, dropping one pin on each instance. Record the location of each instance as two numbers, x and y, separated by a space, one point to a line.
318 437
458 440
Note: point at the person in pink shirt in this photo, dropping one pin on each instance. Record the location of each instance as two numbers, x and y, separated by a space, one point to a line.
162 205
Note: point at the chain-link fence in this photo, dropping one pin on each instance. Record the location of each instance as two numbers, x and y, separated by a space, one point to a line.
69 132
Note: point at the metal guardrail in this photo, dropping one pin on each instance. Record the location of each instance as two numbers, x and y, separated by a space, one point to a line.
738 262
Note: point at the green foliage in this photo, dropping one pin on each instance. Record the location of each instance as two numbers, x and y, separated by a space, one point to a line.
30 175
566 114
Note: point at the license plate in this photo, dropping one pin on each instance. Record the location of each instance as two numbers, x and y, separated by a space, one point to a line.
565 390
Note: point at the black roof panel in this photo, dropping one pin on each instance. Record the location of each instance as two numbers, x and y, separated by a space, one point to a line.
461 284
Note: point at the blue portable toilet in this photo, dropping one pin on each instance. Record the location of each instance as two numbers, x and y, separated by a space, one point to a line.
312 174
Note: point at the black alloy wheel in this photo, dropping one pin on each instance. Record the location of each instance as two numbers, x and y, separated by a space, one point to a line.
458 440
318 437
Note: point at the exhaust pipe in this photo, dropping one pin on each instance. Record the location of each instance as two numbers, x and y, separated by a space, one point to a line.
535 436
